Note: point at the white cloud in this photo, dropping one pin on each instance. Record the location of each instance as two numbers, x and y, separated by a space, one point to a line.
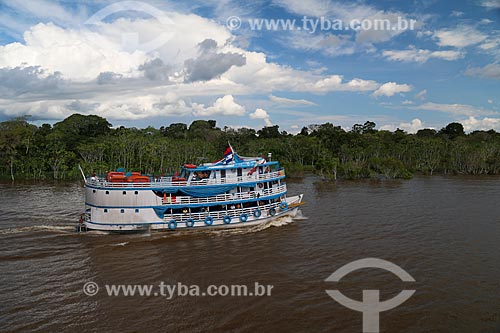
459 37
421 55
122 108
454 109
291 102
261 114
457 13
42 10
391 88
421 95
328 44
96 68
312 7
491 71
422 34
258 75
491 4
382 35
80 55
225 106
348 11
486 21
336 83
412 127
490 45
485 124
407 102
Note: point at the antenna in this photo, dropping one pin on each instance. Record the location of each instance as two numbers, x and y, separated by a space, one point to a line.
83 174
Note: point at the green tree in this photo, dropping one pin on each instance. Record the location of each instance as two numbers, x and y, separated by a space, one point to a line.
453 130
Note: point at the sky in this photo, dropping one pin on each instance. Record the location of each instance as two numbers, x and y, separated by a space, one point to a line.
401 64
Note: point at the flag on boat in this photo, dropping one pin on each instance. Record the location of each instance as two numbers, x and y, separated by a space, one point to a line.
230 156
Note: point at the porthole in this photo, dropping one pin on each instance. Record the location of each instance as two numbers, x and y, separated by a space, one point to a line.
107 192
105 210
124 192
122 211
93 191
136 192
137 210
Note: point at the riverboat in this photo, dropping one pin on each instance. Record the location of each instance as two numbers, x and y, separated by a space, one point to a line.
234 192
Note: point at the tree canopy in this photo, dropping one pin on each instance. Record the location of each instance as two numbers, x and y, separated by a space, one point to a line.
40 152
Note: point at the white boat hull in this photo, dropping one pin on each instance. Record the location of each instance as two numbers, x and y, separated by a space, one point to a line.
252 221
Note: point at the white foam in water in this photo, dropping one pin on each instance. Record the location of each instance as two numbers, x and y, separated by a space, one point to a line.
279 222
120 244
300 216
95 233
37 228
282 221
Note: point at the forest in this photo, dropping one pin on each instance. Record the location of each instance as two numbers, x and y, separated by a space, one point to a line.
55 151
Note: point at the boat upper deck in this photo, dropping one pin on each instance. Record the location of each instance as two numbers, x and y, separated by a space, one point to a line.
176 182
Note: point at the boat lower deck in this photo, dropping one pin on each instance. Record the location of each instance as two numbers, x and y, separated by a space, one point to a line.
235 218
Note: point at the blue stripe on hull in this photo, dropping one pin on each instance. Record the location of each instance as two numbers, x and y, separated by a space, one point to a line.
182 224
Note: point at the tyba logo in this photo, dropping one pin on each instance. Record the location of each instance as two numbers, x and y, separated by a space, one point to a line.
371 306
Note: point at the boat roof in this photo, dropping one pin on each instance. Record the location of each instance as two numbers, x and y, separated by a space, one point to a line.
231 160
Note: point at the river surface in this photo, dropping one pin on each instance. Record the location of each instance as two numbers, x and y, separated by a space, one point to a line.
443 231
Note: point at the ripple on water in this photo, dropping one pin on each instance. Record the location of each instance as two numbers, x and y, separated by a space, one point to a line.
444 231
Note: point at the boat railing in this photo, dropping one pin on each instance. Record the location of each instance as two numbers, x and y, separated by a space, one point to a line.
187 200
173 182
234 213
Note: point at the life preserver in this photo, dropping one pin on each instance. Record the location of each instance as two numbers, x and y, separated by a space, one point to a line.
189 223
209 220
260 185
272 212
244 217
257 213
172 224
227 219
283 206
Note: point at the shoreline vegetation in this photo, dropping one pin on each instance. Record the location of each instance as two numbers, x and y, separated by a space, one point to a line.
30 152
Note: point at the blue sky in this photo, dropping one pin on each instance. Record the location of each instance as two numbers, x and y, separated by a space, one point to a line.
141 63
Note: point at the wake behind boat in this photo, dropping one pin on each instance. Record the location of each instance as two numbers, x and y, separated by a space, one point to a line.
233 192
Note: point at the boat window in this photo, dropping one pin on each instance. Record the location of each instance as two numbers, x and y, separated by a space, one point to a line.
240 172
124 192
136 192
137 210
200 175
107 192
93 191
223 173
105 210
122 211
